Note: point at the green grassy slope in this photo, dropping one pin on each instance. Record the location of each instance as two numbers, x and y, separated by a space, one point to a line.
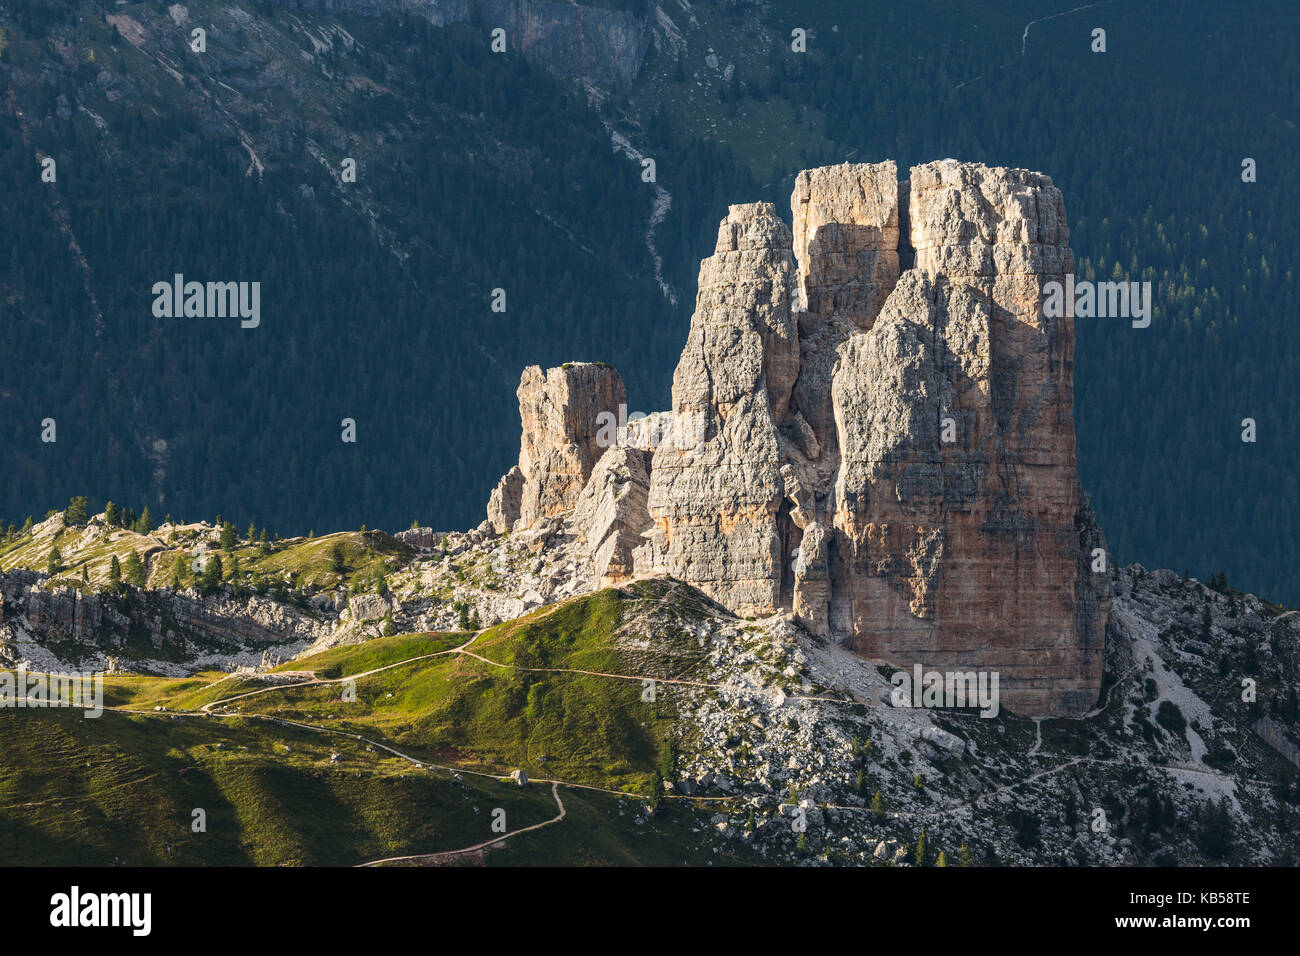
122 788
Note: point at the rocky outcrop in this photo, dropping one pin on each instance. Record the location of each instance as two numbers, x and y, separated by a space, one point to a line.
506 501
612 513
149 625
885 441
846 242
716 502
569 417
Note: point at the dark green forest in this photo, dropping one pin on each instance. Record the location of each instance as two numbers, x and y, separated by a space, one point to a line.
484 172
407 346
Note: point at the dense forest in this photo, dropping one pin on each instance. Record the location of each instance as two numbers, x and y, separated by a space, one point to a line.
480 173
505 181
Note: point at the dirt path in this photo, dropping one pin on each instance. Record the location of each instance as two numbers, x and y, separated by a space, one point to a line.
433 859
628 677
314 681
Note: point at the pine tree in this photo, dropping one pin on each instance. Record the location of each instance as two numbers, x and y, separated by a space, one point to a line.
133 570
210 577
145 524
878 804
389 628
77 513
56 560
965 857
114 575
941 859
112 515
229 537
919 856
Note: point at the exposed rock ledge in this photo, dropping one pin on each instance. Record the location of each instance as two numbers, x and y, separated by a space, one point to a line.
886 455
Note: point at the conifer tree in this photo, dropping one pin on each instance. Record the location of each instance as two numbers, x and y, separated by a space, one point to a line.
77 513
133 570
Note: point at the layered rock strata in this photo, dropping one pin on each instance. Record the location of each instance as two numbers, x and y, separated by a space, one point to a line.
871 430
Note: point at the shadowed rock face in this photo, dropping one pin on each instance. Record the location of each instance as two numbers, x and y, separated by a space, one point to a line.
846 241
887 456
984 543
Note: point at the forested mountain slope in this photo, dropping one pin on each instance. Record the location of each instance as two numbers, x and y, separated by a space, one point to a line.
478 171
474 173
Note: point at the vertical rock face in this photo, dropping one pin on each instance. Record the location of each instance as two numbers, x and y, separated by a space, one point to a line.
888 456
507 498
612 513
716 501
846 241
563 411
985 536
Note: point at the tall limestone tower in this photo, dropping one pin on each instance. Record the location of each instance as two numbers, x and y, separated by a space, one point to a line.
881 433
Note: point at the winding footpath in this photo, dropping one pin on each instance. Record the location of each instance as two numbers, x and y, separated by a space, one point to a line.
434 859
